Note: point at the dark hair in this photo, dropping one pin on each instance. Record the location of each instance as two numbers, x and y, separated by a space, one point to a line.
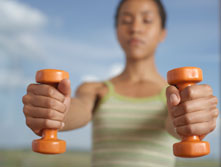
160 6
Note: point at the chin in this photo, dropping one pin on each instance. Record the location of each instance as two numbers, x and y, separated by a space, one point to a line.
137 55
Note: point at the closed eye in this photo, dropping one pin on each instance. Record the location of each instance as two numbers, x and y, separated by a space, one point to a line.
147 21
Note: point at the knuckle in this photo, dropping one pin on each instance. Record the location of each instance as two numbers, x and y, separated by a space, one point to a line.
187 119
190 129
25 99
216 113
50 113
189 92
63 108
49 103
30 87
25 110
215 100
185 107
50 91
47 123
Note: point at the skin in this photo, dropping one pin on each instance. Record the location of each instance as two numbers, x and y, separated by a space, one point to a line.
139 32
193 110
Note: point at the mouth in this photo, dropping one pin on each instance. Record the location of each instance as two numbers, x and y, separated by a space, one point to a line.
135 42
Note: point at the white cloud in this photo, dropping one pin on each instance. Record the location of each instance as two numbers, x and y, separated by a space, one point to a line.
116 69
20 45
22 37
76 49
13 78
89 78
19 28
16 17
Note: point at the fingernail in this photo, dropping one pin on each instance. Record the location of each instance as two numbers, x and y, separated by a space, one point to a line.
173 98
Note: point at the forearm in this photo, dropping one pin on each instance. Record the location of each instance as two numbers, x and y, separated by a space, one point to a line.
77 116
170 128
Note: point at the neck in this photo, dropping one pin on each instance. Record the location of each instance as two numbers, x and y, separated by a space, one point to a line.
137 70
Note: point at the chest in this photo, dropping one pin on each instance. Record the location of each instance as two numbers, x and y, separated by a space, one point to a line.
131 90
129 117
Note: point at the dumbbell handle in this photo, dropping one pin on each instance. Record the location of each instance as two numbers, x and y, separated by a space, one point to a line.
49 134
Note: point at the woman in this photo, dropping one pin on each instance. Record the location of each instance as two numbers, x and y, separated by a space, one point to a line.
131 124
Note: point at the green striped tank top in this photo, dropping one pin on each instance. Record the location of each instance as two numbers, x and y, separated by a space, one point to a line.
130 132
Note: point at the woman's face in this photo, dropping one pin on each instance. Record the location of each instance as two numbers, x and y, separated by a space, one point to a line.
139 29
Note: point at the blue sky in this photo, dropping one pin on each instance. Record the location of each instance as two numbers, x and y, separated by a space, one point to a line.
79 36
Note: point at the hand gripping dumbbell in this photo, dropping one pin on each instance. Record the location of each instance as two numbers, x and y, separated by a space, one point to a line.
49 144
190 146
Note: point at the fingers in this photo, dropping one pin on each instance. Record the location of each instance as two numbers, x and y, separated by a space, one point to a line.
45 106
37 112
65 87
173 96
44 102
45 90
38 119
195 117
39 123
38 131
193 111
195 92
194 105
198 129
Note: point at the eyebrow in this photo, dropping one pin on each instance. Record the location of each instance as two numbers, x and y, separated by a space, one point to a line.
126 13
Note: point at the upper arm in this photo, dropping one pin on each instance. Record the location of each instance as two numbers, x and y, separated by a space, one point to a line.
86 93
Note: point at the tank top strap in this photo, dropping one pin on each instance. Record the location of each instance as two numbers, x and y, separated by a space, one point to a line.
110 87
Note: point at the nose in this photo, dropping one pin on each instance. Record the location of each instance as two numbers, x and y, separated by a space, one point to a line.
136 27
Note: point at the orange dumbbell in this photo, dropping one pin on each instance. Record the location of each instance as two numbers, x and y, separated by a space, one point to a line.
190 146
49 144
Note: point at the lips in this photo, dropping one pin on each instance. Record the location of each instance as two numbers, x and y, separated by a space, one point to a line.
135 41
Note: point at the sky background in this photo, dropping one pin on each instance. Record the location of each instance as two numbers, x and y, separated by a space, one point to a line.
79 37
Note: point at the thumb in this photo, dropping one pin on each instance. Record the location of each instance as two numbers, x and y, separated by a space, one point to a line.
173 96
65 87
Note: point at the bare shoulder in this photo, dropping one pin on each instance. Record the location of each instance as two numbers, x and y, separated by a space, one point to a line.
93 88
